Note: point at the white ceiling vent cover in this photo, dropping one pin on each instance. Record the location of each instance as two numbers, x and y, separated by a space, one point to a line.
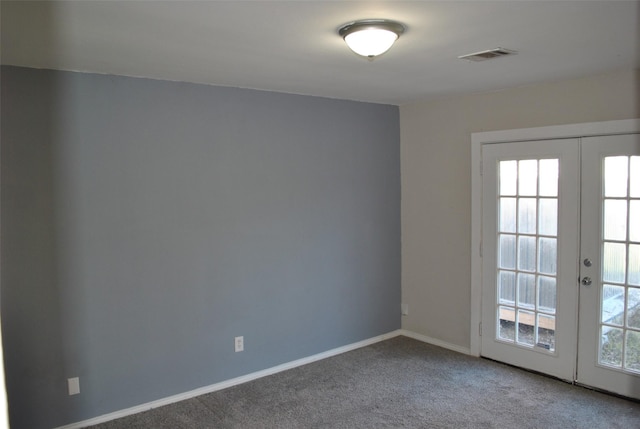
488 54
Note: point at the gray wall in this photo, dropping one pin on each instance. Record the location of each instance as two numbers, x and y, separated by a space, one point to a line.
146 223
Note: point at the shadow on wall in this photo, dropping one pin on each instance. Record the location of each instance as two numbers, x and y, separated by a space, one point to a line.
32 273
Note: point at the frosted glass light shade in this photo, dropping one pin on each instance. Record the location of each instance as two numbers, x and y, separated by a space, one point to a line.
371 42
371 37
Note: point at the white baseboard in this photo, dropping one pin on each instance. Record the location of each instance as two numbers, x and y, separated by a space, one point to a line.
435 342
259 374
229 383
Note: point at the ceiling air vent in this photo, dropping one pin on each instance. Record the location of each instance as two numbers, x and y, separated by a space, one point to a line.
488 54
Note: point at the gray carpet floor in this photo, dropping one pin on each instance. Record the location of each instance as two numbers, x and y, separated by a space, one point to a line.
398 383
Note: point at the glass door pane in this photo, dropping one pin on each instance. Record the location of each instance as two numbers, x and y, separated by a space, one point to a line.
619 325
526 272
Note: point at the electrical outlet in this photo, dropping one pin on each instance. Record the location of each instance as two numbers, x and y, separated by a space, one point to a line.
405 309
239 344
74 385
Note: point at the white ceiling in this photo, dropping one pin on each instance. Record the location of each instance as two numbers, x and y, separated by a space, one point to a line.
293 46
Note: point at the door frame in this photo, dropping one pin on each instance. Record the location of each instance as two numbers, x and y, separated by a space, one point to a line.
588 129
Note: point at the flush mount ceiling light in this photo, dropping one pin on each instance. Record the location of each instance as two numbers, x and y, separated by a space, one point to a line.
371 37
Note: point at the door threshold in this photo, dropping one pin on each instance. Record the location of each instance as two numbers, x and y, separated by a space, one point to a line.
571 382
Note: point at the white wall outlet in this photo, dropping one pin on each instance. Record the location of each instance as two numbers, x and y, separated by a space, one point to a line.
239 344
74 385
405 309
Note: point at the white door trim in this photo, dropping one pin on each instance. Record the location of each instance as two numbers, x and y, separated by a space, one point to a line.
625 126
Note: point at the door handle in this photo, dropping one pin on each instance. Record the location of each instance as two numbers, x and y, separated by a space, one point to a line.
586 281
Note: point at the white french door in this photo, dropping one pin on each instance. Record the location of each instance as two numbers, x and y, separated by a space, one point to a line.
609 342
561 262
530 234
